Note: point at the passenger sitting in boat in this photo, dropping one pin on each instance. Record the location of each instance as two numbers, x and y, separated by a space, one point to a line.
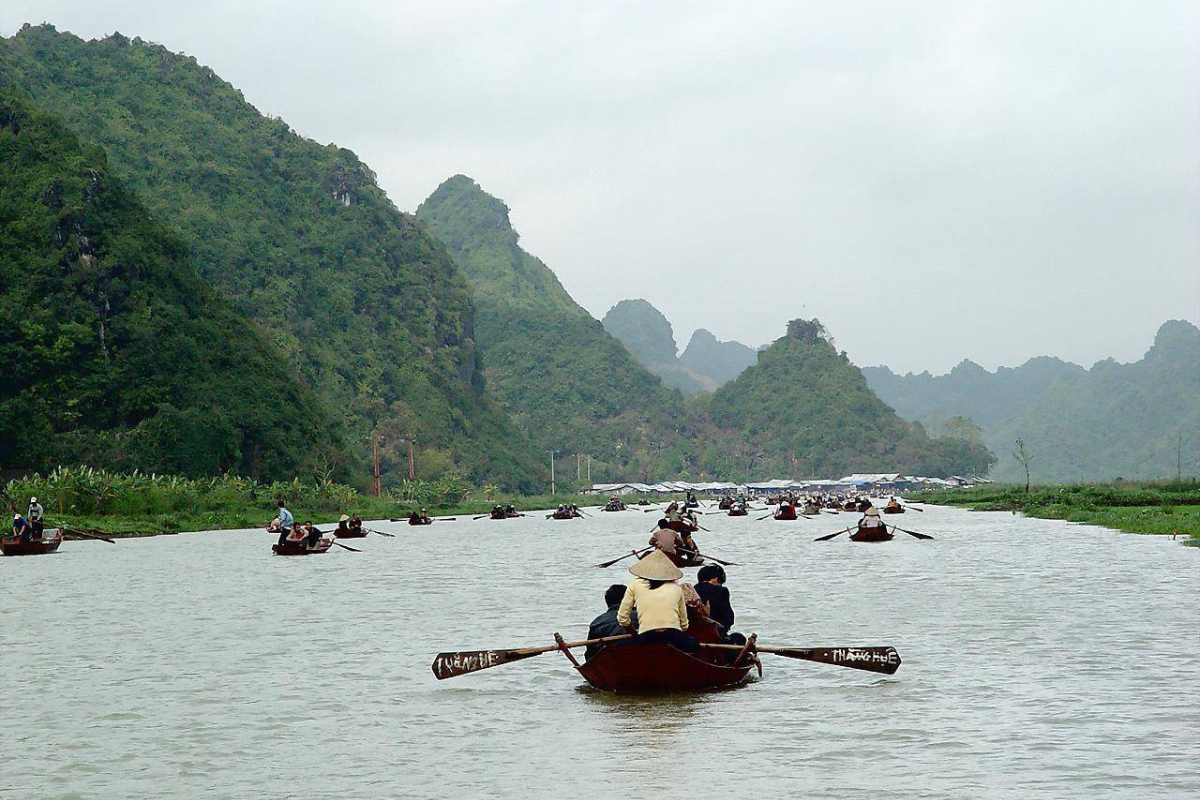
21 529
286 523
710 585
871 519
893 503
312 534
343 529
658 600
510 510
606 624
355 523
666 540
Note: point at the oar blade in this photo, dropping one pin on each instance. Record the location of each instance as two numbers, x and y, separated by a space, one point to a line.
451 665
884 660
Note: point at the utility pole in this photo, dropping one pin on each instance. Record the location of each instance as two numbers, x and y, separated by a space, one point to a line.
377 482
578 467
1179 460
412 464
551 472
589 471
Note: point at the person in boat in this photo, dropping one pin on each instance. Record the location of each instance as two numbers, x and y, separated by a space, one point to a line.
497 512
510 511
37 517
691 501
893 503
21 529
666 540
312 536
343 529
871 519
710 585
421 518
606 624
356 523
286 523
661 612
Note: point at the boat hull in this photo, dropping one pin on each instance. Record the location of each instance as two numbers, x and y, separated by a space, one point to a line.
890 510
350 535
298 549
872 535
657 669
786 514
420 522
34 547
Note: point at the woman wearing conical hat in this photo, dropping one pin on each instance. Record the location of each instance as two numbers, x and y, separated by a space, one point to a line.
661 610
871 519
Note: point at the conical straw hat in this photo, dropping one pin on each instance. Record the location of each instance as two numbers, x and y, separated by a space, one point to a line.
872 512
656 567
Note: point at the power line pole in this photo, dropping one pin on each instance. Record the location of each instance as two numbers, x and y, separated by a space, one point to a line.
412 464
377 481
578 466
589 471
551 472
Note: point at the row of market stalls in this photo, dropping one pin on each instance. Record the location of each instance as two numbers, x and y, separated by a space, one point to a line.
858 482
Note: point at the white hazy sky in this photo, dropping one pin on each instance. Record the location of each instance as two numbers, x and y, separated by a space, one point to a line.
1018 178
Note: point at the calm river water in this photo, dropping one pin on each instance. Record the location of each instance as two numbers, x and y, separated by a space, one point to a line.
1041 659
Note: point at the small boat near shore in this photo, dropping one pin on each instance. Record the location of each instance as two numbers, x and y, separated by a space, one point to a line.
34 547
658 668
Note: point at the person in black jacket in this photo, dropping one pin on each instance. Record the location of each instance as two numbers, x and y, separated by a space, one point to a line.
710 585
606 624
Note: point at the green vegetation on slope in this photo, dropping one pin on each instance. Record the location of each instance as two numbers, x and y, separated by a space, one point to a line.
644 330
361 300
719 361
569 384
1163 507
804 409
115 351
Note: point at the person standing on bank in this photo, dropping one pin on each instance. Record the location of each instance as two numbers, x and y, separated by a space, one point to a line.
658 600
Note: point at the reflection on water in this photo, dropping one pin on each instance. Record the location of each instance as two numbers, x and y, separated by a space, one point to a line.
1041 659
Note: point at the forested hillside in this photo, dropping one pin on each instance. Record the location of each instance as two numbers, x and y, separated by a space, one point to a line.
553 367
115 352
361 301
970 391
1139 420
706 364
804 409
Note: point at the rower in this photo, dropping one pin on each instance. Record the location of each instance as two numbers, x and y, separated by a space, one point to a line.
343 529
416 518
871 519
510 510
893 503
286 523
36 516
666 540
658 600
356 523
20 528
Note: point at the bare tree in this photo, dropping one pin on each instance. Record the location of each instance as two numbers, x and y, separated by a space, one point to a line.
1023 456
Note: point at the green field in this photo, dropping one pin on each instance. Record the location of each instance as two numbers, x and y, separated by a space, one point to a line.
1152 507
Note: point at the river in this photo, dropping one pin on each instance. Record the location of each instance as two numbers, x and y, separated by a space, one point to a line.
1041 659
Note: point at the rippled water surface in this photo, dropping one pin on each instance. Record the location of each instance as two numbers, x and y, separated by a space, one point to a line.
1041 659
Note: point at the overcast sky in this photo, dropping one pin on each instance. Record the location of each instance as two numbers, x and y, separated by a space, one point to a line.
933 180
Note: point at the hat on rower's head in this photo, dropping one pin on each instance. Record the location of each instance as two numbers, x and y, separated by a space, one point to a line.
656 567
16 517
872 512
33 499
345 518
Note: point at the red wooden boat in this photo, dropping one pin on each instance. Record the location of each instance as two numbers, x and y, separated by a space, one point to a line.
879 534
420 521
893 509
679 526
350 533
657 668
298 549
785 512
33 547
738 511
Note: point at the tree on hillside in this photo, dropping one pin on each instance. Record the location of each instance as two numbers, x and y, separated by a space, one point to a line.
1023 456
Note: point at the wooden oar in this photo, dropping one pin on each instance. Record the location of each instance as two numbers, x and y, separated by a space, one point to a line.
698 554
381 533
872 659
914 508
88 535
481 516
830 536
451 665
445 519
760 519
345 547
608 564
912 533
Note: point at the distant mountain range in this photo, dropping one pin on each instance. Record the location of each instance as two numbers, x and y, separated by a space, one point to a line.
1139 420
705 365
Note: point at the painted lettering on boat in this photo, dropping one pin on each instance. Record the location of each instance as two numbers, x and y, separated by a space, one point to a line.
449 664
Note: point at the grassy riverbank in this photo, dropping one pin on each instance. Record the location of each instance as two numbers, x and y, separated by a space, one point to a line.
1153 507
149 505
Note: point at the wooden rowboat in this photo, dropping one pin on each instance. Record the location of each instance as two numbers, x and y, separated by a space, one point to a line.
298 548
33 547
738 512
786 513
350 533
893 509
420 521
880 534
657 668
679 526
